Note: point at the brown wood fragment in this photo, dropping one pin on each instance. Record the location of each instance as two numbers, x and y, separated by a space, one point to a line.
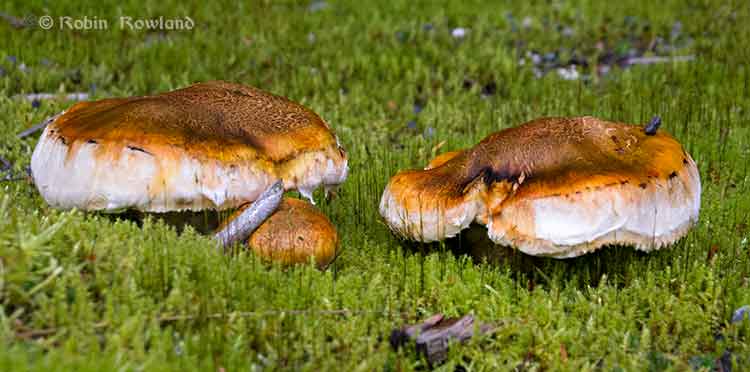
433 336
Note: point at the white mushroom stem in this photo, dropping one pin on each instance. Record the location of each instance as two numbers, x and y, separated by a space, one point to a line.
240 228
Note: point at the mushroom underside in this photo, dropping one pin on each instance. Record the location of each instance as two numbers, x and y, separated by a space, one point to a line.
114 176
570 225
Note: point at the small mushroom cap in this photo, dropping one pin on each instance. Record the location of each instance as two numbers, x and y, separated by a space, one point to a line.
294 233
214 145
555 187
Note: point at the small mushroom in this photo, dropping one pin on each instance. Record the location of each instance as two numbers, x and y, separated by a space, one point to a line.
210 146
295 232
557 187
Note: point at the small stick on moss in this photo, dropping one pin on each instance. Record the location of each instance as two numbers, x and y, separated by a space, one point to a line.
240 227
652 126
14 21
75 96
655 60
38 127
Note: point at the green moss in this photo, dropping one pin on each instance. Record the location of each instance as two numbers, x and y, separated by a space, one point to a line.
81 291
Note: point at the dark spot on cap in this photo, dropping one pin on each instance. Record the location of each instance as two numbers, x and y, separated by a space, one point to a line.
684 161
134 148
93 142
673 175
642 185
238 92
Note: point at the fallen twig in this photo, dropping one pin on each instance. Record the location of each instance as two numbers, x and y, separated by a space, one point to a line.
655 60
10 178
14 21
38 127
76 96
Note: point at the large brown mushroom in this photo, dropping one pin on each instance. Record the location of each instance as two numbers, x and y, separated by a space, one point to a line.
557 187
210 146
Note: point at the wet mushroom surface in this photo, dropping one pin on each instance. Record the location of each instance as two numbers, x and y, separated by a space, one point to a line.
214 145
210 146
295 233
558 187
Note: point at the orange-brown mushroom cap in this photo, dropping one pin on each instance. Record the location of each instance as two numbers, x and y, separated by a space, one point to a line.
557 187
442 159
294 233
213 145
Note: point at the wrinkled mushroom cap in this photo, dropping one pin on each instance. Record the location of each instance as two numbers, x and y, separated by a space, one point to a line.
214 145
294 233
555 187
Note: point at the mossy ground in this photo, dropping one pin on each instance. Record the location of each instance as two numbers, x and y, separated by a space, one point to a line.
85 291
